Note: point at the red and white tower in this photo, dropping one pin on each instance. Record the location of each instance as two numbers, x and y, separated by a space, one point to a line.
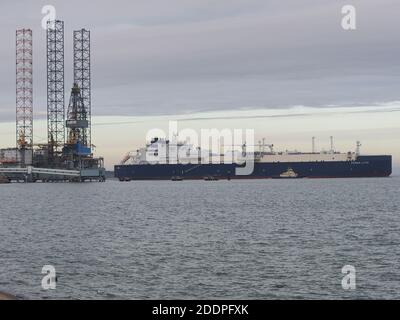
24 95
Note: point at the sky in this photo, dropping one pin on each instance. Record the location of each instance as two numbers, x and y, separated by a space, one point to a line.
222 63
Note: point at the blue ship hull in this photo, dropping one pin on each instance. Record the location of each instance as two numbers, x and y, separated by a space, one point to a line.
364 166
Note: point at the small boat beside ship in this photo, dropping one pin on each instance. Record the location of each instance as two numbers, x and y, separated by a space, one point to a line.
176 178
288 174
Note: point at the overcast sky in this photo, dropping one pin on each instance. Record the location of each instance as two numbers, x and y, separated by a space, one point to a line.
158 57
179 56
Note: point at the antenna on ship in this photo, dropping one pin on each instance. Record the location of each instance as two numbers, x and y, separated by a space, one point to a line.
332 149
313 144
263 145
358 148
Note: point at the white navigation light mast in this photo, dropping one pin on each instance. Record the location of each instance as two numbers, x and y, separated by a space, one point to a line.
263 145
313 144
358 148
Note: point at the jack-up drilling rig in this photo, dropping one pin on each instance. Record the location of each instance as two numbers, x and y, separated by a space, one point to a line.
77 152
59 159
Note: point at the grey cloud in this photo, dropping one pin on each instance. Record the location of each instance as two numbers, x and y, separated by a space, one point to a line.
179 56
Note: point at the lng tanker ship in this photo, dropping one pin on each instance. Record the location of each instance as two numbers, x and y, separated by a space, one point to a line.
163 160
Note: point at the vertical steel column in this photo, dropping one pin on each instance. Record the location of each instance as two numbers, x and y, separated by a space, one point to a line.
24 95
82 76
55 89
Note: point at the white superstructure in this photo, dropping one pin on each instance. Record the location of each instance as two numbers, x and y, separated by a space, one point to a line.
163 151
308 157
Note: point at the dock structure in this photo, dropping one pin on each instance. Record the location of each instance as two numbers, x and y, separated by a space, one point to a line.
32 174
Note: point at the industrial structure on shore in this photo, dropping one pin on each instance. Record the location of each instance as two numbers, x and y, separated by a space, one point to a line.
67 155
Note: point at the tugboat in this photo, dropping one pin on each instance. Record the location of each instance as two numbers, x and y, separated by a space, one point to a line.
210 178
288 174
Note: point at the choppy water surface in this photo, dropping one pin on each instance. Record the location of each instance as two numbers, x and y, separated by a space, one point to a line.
266 239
